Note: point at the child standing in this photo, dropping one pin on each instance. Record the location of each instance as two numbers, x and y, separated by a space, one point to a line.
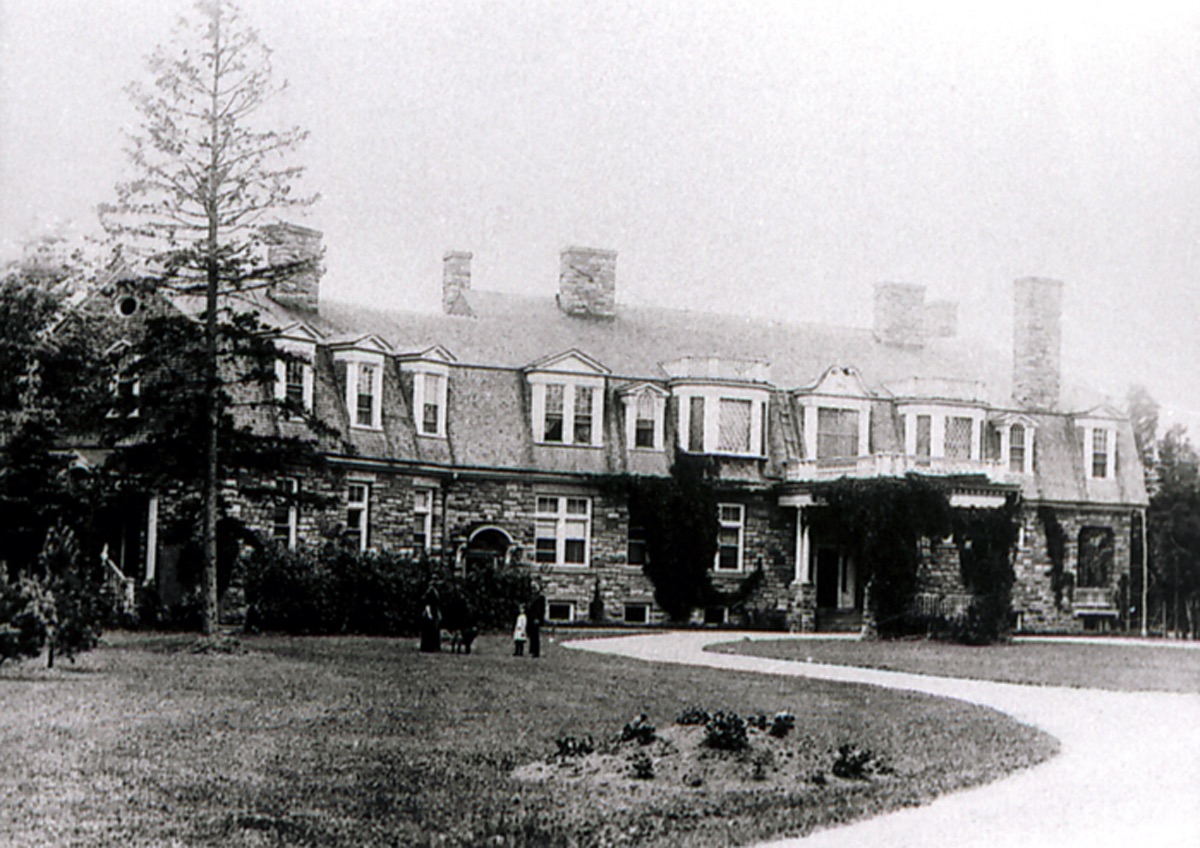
519 635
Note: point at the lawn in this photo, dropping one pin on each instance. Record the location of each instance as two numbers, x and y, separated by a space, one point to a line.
356 741
1095 665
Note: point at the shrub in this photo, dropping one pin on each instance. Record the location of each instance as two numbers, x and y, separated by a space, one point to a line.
725 732
692 715
758 721
571 746
854 763
640 729
643 766
782 724
761 762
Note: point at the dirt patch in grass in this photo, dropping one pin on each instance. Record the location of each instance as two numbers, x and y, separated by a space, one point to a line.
1126 668
368 742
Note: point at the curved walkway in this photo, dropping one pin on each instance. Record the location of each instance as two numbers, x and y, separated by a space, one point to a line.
1128 772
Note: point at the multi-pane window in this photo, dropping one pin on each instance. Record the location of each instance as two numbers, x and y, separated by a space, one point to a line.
1016 449
284 520
293 389
583 416
358 496
729 537
553 429
422 518
1096 553
1100 452
958 437
696 424
433 390
837 433
733 427
646 422
560 611
562 528
364 409
924 438
636 545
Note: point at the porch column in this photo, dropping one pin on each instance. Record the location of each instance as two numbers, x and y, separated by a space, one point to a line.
803 570
151 538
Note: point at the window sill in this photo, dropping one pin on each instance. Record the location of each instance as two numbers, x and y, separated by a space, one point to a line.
567 445
441 436
367 427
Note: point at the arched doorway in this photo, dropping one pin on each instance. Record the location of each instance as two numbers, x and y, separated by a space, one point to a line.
487 546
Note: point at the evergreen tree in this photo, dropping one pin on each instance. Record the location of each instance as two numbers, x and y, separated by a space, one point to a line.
206 177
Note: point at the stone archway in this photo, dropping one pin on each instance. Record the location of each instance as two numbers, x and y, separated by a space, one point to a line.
488 545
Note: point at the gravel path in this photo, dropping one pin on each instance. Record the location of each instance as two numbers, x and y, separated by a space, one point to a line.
1129 771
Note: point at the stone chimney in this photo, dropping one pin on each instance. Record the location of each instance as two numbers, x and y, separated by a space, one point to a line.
289 244
587 282
941 319
1037 342
900 314
456 282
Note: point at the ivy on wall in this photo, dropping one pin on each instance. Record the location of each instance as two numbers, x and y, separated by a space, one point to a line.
1061 581
985 539
883 520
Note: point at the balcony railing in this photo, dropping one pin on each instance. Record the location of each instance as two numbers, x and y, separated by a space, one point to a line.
893 465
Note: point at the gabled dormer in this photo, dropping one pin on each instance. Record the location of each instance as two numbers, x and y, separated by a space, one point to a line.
363 358
431 380
297 344
836 416
722 404
567 391
645 409
1098 428
1014 434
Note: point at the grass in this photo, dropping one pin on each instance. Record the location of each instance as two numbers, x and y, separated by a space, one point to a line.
356 741
1093 665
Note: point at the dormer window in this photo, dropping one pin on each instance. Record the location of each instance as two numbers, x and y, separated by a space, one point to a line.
1016 449
837 433
1100 454
722 419
836 418
568 400
431 379
365 396
364 360
936 432
127 390
294 378
1099 436
645 404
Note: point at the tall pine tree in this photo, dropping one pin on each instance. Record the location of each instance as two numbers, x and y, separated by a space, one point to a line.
207 176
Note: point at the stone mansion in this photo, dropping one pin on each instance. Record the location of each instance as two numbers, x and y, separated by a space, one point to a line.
486 431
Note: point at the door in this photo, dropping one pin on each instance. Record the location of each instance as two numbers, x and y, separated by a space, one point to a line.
836 578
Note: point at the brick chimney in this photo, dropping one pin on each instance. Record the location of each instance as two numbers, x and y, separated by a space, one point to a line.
900 314
941 319
288 244
456 282
587 282
1037 342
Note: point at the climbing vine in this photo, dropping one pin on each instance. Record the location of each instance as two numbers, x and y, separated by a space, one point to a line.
1061 581
985 539
883 520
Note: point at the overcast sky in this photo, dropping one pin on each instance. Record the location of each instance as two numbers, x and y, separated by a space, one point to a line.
776 159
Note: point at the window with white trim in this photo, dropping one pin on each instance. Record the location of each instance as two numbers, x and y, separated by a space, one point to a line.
646 409
127 395
285 519
429 403
837 433
562 530
1016 448
422 519
959 437
560 611
1100 453
364 396
722 419
732 518
568 412
294 378
358 514
637 612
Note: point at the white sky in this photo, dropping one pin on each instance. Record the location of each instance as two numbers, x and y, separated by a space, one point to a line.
774 159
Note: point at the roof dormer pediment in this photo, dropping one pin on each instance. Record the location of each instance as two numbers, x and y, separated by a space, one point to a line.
642 388
366 343
299 331
1010 418
436 353
840 381
571 361
1103 412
